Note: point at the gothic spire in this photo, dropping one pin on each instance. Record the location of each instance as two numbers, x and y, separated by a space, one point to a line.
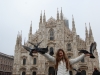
73 25
90 34
30 28
90 31
21 37
57 14
61 14
86 32
17 40
30 32
44 17
41 17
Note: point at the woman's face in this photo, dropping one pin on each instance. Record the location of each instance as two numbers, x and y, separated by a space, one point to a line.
60 54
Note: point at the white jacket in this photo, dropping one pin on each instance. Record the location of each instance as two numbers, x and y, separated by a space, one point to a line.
62 66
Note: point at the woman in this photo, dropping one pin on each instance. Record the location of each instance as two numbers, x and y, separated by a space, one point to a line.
62 63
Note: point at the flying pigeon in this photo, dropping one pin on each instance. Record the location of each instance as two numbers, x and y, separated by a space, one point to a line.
92 48
36 49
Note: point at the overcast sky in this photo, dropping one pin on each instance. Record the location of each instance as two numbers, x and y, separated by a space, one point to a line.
16 15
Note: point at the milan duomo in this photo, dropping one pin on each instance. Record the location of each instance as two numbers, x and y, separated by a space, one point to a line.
56 34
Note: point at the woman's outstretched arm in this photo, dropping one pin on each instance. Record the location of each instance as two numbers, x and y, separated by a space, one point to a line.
49 57
77 59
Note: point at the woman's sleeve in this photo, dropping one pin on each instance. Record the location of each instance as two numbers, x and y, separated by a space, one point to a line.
49 57
77 59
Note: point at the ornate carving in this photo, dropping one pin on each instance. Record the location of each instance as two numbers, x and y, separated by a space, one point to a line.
33 68
59 45
23 51
59 34
51 22
51 42
23 57
22 68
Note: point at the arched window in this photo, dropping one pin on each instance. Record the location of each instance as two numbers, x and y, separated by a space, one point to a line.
34 73
24 61
83 72
82 60
34 61
23 73
69 47
51 51
69 56
51 32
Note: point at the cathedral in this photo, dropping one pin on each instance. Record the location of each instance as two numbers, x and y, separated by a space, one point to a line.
55 34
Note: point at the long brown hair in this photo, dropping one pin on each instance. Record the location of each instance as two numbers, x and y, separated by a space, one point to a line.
68 65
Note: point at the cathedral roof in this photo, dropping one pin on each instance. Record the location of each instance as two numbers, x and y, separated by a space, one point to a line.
51 21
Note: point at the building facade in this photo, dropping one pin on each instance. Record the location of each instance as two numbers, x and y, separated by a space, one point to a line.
56 34
6 64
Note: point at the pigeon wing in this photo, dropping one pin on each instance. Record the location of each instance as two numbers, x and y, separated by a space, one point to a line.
43 50
32 44
84 51
39 43
92 47
27 48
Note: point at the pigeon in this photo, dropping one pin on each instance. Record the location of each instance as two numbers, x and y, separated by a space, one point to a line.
92 48
36 46
36 49
30 50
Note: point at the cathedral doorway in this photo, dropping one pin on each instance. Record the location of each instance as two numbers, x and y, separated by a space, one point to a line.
23 73
34 73
83 72
51 71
